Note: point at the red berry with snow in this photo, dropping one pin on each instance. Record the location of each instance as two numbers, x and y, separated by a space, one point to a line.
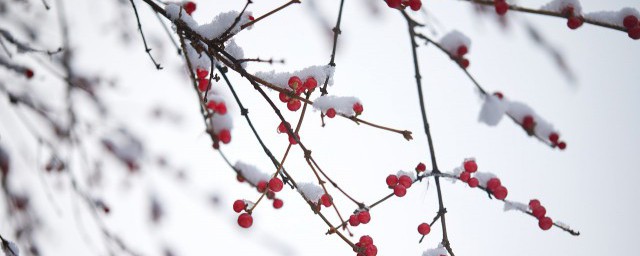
310 84
284 97
201 73
465 176
189 7
553 137
392 180
500 192
28 73
464 63
275 184
473 182
251 18
534 203
421 167
294 83
470 166
574 22
545 223
357 107
278 203
394 3
399 190
499 95
239 178
462 50
225 136
294 104
424 229
203 84
493 183
415 4
353 220
501 7
539 211
364 217
562 145
528 123
239 205
634 33
630 21
262 186
326 200
331 113
245 220
405 181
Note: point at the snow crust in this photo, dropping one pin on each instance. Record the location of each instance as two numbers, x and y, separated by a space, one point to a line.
613 17
251 173
281 79
559 5
454 39
311 191
342 105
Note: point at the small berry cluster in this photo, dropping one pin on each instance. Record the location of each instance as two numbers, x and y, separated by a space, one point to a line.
271 188
401 4
540 213
360 217
297 87
633 26
365 247
399 184
283 128
189 7
459 56
244 220
555 140
493 185
574 21
501 6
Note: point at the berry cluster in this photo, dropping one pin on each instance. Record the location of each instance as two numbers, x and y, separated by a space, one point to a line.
574 20
459 56
365 247
501 6
399 183
270 188
283 128
189 7
297 88
401 4
529 124
540 213
360 217
493 184
633 26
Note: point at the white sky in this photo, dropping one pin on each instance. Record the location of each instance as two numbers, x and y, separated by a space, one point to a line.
590 186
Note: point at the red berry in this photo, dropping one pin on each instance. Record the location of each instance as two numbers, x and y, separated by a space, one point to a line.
294 105
284 97
282 128
499 95
262 186
501 7
415 4
421 167
553 137
464 63
189 7
201 73
28 73
394 3
277 203
245 220
292 139
500 192
353 220
271 194
470 166
326 200
294 82
366 240
203 84
275 184
221 108
567 11
225 136
364 217
534 203
562 145
528 123
239 205
310 84
465 176
399 190
239 178
545 223
539 211
473 182
630 21
392 180
251 18
493 183
424 229
331 113
574 22
357 107
462 50
634 33
371 250
405 181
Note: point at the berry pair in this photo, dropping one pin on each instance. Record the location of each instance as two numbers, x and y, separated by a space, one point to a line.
361 217
459 56
284 128
501 6
203 81
574 21
633 26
